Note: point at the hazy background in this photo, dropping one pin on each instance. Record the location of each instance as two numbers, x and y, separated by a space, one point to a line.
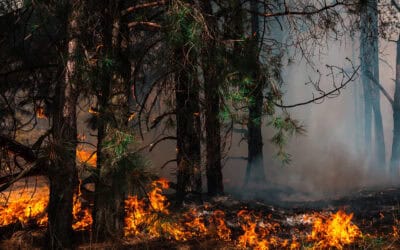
326 161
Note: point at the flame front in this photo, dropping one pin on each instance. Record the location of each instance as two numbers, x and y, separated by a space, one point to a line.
150 217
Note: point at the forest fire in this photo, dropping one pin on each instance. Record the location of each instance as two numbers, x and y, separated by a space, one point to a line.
150 217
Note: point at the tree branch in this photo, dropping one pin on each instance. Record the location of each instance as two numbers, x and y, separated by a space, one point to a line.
17 148
304 12
142 6
152 145
350 79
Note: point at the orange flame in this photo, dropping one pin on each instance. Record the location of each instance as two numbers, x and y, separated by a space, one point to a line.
335 231
150 217
30 207
40 113
223 231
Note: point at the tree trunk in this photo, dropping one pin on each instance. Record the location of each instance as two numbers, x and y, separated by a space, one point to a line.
395 160
187 130
212 82
369 51
255 163
63 174
108 211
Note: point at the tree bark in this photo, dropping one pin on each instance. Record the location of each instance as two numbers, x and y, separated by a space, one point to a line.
63 174
395 160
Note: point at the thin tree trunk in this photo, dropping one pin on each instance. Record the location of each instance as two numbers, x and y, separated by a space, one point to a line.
395 160
63 174
109 198
187 130
212 81
255 164
369 51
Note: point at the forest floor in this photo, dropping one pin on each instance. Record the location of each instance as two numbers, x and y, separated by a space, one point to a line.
375 213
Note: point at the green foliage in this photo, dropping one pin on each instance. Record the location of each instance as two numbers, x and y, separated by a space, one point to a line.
285 128
185 26
120 155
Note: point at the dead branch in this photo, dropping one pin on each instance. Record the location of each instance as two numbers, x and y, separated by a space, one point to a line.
18 176
152 145
151 25
159 118
17 148
143 6
327 94
304 12
168 162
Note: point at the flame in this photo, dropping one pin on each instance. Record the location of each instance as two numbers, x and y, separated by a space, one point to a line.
256 233
157 200
223 231
24 207
29 207
335 231
40 113
149 218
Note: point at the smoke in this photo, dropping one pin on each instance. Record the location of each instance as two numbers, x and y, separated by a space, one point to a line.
327 162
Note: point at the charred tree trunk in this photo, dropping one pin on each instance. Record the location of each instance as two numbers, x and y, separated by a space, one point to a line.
212 81
369 51
255 163
187 129
395 160
63 174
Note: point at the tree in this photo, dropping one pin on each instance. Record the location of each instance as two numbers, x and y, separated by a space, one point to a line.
395 158
184 39
212 80
255 159
63 173
369 57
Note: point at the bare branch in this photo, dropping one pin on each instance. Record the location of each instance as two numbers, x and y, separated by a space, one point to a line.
17 148
143 6
152 145
327 94
288 12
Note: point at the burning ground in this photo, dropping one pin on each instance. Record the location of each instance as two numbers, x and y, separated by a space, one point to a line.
363 220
